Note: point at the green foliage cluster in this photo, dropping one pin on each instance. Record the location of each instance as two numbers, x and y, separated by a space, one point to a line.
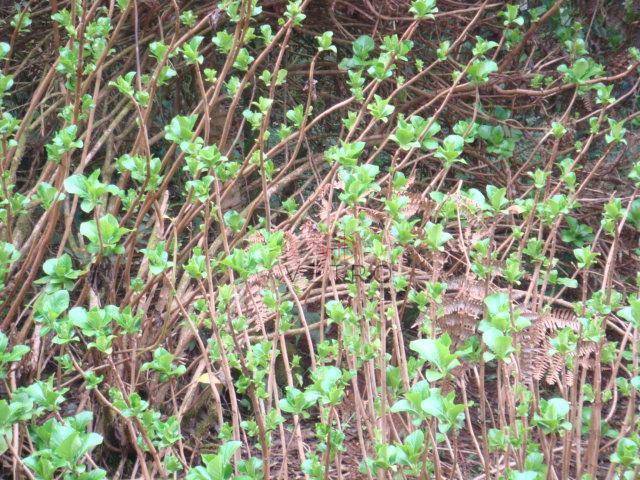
228 242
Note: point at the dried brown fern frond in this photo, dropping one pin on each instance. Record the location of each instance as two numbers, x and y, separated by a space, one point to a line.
291 257
553 321
463 308
415 204
539 361
461 315
469 286
324 202
251 301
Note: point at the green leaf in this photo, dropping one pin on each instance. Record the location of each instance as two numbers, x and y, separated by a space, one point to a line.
4 49
435 236
423 9
437 353
180 130
363 46
479 71
499 343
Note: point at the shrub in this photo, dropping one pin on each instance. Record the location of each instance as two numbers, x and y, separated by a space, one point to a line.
254 239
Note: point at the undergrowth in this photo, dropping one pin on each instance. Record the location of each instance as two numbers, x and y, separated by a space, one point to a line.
319 239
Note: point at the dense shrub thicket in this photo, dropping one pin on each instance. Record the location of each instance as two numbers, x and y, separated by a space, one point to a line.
319 239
